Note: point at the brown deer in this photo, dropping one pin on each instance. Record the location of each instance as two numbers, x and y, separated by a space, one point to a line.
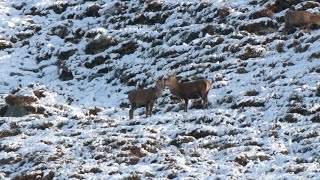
303 19
145 97
189 90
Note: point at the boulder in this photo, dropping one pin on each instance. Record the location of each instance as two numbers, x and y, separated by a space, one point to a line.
15 111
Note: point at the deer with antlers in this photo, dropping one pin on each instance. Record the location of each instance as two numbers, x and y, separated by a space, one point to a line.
188 90
145 97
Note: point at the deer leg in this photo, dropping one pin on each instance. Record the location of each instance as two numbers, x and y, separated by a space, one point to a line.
150 108
133 106
206 100
304 28
205 103
186 104
206 106
147 109
301 28
204 97
308 29
286 29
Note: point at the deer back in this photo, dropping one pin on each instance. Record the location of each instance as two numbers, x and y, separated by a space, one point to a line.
315 19
301 18
142 96
191 90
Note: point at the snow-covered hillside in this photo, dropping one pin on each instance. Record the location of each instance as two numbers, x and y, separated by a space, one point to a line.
69 66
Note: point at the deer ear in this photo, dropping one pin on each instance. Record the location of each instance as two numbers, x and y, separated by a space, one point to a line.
175 71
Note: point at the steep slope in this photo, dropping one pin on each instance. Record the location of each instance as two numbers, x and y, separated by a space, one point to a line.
70 64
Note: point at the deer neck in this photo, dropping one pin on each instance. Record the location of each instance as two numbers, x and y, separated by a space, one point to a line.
158 89
175 87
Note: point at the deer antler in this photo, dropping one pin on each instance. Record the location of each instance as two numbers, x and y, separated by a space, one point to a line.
153 77
175 71
168 71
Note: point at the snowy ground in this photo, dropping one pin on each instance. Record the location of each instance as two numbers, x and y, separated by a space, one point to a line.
85 56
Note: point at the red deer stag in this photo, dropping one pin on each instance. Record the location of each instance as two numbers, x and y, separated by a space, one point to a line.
189 90
145 97
303 19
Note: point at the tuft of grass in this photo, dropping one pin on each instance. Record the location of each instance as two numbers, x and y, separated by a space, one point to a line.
94 111
20 100
250 52
252 93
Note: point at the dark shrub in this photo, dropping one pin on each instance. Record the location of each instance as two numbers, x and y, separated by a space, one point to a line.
99 45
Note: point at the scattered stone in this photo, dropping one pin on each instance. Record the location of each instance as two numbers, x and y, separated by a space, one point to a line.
316 118
61 31
8 133
250 52
263 27
214 30
262 13
100 44
96 62
94 111
223 12
314 56
64 55
198 133
24 35
127 48
280 5
144 19
59 7
252 93
153 6
241 70
93 11
182 140
18 5
65 74
5 44
248 103
242 160
290 118
299 110
202 6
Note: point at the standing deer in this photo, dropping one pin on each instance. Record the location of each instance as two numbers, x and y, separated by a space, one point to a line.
189 90
145 97
303 19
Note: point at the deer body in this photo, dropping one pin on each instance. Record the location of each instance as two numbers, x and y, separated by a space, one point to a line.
189 90
145 97
303 19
